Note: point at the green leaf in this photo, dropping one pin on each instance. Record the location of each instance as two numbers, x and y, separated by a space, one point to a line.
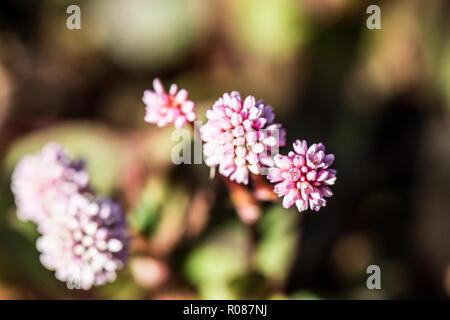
279 238
145 216
285 27
219 259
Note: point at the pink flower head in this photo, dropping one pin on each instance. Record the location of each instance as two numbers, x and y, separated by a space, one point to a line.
240 136
86 245
163 108
303 176
44 182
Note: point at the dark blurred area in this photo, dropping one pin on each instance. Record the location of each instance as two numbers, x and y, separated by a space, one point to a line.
378 99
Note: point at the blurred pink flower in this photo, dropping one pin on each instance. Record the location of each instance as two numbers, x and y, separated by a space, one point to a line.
240 136
44 182
83 239
86 245
164 108
303 176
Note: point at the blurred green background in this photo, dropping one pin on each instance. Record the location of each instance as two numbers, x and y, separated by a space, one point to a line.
378 99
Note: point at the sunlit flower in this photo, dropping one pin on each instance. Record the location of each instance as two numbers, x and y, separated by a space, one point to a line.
45 181
303 176
86 245
240 137
164 108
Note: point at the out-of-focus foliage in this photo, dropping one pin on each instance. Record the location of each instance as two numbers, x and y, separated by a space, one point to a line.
99 146
271 29
214 264
279 239
146 213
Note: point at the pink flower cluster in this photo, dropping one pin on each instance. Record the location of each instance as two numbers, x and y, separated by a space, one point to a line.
240 136
164 108
83 239
303 176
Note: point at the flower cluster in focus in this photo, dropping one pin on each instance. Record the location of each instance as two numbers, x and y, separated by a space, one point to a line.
240 139
303 176
240 136
83 239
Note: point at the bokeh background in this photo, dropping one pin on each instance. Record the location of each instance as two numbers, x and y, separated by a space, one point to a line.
378 99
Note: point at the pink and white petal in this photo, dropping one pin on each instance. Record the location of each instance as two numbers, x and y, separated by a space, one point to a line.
249 102
248 124
239 162
282 188
270 141
254 168
322 175
181 96
251 137
226 170
298 160
151 117
236 104
252 158
302 205
173 89
211 115
266 160
254 113
187 106
291 197
240 175
283 162
315 194
148 97
275 175
300 147
312 149
180 122
326 192
240 152
329 159
229 112
236 119
258 148
238 131
311 175
190 116
259 123
225 123
226 99
306 188
236 94
158 86
330 181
